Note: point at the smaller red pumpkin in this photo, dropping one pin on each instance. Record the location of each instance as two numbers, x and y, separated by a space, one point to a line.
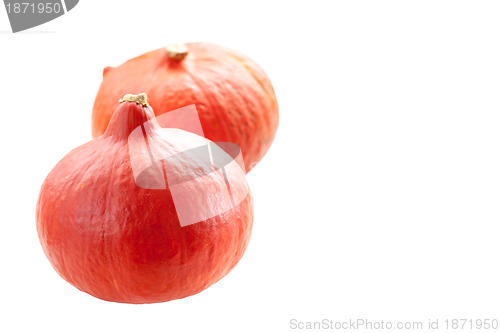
233 95
137 215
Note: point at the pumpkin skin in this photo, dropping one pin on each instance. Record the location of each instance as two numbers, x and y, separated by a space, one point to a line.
123 243
233 96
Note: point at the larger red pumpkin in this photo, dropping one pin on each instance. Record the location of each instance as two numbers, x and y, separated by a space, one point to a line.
234 97
135 216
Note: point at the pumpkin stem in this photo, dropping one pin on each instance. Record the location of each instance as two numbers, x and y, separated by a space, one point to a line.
141 98
177 52
130 116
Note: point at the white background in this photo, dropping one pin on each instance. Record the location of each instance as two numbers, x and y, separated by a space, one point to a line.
379 198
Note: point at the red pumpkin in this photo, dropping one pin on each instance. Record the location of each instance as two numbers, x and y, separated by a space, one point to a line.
132 217
234 97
